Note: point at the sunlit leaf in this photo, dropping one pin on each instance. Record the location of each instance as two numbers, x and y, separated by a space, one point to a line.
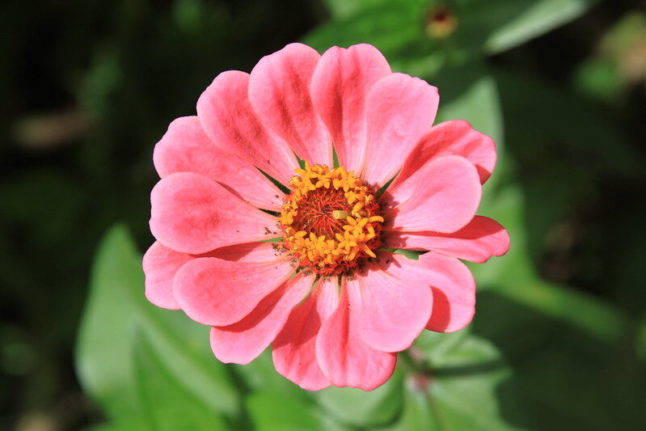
357 407
115 311
272 411
165 401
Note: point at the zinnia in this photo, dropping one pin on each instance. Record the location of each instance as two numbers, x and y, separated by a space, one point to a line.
313 270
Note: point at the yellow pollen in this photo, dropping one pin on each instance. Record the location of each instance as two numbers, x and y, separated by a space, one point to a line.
339 215
331 220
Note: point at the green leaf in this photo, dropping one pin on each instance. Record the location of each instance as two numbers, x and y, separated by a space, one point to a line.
274 411
417 413
357 407
435 346
459 386
166 402
397 28
260 375
469 93
389 26
116 309
503 24
557 341
465 388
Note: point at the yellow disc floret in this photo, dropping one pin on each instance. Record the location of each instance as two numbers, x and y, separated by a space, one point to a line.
331 220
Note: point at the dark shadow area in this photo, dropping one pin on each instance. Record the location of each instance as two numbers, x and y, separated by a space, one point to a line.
563 378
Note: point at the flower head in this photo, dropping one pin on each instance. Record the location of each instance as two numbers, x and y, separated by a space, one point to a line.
309 268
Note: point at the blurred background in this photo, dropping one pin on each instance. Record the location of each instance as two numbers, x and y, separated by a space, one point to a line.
88 87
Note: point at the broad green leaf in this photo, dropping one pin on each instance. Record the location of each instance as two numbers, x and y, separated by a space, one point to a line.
464 389
503 24
469 93
434 346
260 375
418 410
116 309
104 352
274 411
165 401
357 407
389 26
563 348
397 27
457 386
471 402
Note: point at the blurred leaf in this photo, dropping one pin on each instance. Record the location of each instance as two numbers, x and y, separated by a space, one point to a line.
465 390
562 347
502 24
435 346
117 309
417 413
167 404
343 8
273 411
260 375
397 28
361 408
130 426
599 78
469 93
389 26
463 383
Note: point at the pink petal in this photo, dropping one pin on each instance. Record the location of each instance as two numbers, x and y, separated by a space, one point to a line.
455 137
391 311
478 241
160 265
243 341
294 351
400 109
339 91
229 120
451 282
219 292
193 214
344 357
279 93
442 196
186 148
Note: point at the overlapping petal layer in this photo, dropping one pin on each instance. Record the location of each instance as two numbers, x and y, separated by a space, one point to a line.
294 350
339 88
449 279
186 148
399 110
442 196
453 138
229 120
192 214
478 241
391 311
279 93
243 341
160 265
220 292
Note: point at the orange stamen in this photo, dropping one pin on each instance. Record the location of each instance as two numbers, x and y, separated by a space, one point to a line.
331 220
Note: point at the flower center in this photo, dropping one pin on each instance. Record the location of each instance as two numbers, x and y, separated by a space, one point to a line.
331 220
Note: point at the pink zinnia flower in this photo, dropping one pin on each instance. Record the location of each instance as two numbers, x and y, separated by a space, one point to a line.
334 303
